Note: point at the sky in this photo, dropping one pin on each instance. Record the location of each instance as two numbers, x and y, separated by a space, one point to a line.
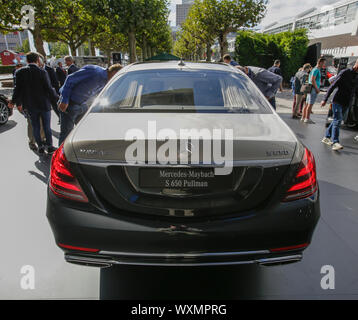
276 9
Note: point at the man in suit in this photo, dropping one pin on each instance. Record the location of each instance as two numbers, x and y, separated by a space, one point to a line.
61 73
54 83
72 68
34 93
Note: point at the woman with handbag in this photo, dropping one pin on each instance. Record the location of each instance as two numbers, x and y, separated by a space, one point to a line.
301 78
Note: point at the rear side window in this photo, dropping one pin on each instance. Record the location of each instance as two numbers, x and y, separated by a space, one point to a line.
182 91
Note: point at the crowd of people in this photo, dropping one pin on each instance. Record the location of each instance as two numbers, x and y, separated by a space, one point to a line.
39 88
306 86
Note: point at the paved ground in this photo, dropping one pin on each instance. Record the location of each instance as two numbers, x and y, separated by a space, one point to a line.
26 238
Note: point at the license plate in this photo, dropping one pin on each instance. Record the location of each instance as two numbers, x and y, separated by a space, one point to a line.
183 178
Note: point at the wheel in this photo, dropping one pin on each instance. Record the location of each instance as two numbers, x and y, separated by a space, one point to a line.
4 112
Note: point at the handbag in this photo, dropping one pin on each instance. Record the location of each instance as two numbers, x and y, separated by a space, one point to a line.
306 88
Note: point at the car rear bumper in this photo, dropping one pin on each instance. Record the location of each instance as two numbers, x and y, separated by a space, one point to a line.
271 235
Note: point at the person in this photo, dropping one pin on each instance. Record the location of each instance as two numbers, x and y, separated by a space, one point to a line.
345 83
314 80
70 63
61 73
17 67
277 70
54 83
267 82
300 78
227 59
78 89
30 135
33 92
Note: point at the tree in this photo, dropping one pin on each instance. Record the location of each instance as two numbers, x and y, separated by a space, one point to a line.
197 34
109 42
220 17
130 18
58 49
70 22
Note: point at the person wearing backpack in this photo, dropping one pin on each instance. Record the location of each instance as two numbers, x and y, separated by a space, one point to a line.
300 79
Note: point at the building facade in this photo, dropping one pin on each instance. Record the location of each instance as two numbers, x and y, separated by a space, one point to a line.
182 11
12 40
334 26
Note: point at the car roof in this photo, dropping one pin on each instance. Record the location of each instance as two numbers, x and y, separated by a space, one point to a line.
214 66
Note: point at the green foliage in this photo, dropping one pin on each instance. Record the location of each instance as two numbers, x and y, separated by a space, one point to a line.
258 49
58 49
6 69
138 20
24 48
210 19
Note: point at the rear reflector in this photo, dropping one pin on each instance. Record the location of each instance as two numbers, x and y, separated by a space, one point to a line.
299 246
62 182
65 246
305 181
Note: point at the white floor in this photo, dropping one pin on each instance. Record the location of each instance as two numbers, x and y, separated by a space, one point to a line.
25 235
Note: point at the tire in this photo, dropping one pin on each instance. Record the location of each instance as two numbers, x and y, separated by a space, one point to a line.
4 112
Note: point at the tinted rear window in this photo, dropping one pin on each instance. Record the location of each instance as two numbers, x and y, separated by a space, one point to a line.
182 91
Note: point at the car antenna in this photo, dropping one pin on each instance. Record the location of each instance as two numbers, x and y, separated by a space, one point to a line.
181 63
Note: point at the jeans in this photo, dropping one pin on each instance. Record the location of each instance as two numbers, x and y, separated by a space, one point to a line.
273 102
45 116
69 118
333 129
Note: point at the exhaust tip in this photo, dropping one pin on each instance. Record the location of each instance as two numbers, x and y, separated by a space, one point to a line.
88 261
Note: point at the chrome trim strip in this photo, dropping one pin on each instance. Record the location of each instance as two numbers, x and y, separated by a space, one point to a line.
110 262
236 163
183 255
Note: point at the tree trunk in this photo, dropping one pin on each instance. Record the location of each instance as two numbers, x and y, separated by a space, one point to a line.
73 49
144 48
91 47
149 52
108 53
208 52
39 44
223 45
132 47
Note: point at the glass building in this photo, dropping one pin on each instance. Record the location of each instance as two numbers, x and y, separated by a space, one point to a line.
338 14
335 27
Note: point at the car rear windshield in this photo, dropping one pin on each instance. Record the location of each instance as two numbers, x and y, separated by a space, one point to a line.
182 91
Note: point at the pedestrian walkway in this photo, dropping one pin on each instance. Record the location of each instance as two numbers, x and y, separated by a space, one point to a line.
284 101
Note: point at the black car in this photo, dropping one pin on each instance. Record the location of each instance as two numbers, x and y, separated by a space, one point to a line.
129 187
5 111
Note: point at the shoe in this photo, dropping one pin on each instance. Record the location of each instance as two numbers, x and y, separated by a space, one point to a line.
51 149
356 138
41 150
302 120
32 146
337 146
327 141
294 116
309 121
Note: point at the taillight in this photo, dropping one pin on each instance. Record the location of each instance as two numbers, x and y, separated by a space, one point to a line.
62 181
305 181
